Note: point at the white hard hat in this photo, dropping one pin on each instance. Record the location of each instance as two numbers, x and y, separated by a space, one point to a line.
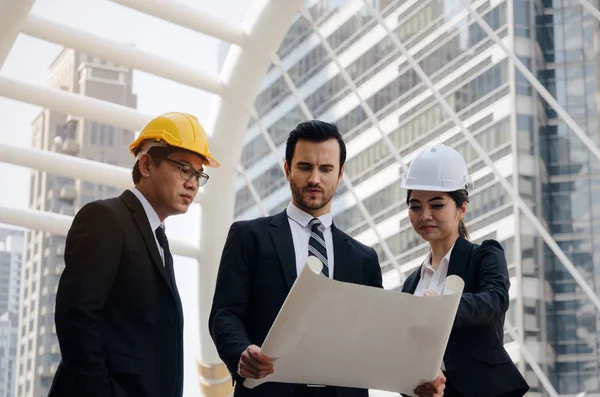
438 168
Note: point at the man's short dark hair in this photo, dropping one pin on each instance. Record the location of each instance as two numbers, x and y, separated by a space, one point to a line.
314 131
158 154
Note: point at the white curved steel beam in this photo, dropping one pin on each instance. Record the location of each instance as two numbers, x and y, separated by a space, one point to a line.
122 54
67 166
70 166
591 9
531 217
59 225
243 72
188 17
13 14
75 104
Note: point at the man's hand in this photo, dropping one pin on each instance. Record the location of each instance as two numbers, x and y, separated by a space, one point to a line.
432 389
431 292
254 364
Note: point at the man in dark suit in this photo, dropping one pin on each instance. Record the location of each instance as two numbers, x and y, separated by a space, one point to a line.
119 318
262 258
475 359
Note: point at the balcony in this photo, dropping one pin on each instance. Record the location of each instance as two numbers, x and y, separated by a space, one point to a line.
70 127
47 371
68 193
67 210
52 369
57 144
70 146
66 146
550 356
58 269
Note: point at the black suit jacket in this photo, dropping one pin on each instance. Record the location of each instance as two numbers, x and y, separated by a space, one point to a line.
476 362
118 321
257 270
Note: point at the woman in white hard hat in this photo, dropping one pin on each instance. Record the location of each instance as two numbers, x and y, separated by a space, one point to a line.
475 362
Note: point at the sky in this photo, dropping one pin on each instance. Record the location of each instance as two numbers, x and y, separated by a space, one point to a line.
29 60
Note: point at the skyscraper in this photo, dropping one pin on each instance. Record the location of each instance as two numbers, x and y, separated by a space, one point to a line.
72 71
551 170
567 64
11 258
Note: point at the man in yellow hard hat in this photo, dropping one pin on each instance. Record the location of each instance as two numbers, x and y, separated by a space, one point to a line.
119 319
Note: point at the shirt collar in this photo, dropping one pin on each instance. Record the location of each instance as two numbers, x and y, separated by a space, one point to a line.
303 218
427 261
150 212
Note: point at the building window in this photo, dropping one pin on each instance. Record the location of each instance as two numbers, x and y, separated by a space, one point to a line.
60 131
94 137
101 128
110 135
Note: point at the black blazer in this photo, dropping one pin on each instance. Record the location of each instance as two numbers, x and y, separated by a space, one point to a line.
257 270
118 321
476 362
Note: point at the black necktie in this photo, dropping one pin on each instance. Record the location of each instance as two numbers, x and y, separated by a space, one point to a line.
164 243
317 246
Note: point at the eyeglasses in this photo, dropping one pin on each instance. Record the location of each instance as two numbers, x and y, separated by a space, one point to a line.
188 172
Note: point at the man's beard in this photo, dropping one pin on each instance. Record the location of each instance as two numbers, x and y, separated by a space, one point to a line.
297 194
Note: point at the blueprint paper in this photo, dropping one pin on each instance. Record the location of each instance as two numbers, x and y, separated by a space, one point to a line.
340 334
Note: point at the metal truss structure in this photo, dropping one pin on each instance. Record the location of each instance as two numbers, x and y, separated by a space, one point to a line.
254 45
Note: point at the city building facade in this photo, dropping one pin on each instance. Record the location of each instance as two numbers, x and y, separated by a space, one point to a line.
346 69
11 258
38 352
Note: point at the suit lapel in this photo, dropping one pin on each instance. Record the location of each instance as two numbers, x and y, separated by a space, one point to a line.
141 220
459 259
284 245
344 263
410 285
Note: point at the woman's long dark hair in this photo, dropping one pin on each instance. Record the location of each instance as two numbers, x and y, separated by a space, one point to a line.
459 197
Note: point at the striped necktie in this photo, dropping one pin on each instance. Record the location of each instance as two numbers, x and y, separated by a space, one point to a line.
316 245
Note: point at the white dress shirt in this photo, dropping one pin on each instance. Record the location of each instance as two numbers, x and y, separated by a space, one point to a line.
431 278
152 218
434 279
299 220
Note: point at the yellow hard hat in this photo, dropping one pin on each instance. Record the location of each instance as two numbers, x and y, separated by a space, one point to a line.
181 130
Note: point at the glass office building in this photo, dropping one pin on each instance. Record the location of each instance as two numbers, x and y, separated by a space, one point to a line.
566 58
388 114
